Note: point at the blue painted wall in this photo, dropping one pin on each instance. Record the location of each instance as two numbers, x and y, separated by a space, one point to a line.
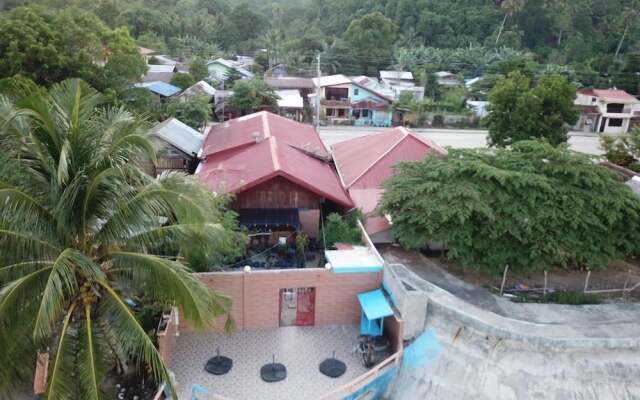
375 389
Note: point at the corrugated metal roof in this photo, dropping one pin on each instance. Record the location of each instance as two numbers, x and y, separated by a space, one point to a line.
250 150
200 88
331 80
289 98
404 75
289 82
612 95
179 135
232 65
160 68
357 156
163 89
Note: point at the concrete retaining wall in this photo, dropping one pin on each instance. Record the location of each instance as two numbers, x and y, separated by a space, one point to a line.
469 353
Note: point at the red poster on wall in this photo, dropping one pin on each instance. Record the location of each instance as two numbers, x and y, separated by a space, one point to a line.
305 315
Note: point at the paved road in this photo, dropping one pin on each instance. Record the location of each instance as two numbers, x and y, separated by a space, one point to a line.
456 138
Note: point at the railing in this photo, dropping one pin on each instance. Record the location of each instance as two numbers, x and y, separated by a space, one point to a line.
364 379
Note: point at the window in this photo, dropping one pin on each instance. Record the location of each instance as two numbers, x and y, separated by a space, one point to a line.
334 93
341 112
365 113
356 113
615 122
356 91
615 108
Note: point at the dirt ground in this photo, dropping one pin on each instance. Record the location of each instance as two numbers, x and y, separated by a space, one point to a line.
618 275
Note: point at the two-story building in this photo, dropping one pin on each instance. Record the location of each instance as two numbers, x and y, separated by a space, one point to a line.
605 111
345 101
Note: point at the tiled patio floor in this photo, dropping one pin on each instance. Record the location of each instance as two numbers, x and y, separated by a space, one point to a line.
300 349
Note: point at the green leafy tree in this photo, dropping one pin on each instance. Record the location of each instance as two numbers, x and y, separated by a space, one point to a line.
198 68
183 80
44 45
519 112
369 43
251 94
82 229
194 111
530 206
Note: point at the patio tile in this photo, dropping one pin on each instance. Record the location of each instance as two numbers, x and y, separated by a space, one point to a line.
300 349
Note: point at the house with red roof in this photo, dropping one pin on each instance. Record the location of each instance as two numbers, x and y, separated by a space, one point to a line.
279 170
606 111
364 163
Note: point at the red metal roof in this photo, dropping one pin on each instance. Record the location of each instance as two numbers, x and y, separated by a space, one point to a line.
259 126
253 149
375 154
614 94
364 163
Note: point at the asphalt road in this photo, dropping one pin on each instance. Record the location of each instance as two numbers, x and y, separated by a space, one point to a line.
456 138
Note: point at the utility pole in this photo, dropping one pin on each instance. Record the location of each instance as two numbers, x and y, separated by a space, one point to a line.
318 90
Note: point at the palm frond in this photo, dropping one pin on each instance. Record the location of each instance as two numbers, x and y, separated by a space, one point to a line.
62 386
132 336
62 285
90 368
170 281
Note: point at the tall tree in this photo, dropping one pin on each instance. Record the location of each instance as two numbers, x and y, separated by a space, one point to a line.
519 112
510 7
369 43
82 229
530 207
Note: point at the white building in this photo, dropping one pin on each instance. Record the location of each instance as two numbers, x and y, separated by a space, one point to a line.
400 82
606 111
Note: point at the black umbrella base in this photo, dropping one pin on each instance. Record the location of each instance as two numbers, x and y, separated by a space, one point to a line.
273 372
333 368
219 365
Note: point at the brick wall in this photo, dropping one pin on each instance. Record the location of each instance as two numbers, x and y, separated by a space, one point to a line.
255 295
167 337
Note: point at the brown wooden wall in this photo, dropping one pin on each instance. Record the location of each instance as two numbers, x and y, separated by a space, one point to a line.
278 192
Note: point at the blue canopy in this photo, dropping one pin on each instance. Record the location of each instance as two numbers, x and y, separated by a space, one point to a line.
164 89
374 304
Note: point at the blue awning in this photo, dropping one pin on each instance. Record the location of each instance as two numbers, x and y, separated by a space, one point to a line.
374 304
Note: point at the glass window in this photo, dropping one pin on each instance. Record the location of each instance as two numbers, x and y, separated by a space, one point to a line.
356 91
615 122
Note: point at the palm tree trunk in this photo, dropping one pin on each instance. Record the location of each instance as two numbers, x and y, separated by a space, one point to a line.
504 21
626 28
560 38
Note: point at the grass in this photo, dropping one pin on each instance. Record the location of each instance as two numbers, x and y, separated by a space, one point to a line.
570 298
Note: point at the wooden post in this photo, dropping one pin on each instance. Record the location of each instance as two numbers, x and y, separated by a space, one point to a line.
586 281
626 282
544 289
504 278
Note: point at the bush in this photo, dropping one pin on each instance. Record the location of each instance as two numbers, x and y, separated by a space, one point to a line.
338 229
438 120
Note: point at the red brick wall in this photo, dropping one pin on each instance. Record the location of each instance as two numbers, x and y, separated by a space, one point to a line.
256 294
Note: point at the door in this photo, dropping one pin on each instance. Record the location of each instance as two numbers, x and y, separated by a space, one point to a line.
306 307
297 307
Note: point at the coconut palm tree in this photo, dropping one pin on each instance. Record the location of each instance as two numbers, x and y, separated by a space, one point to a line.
510 7
81 230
